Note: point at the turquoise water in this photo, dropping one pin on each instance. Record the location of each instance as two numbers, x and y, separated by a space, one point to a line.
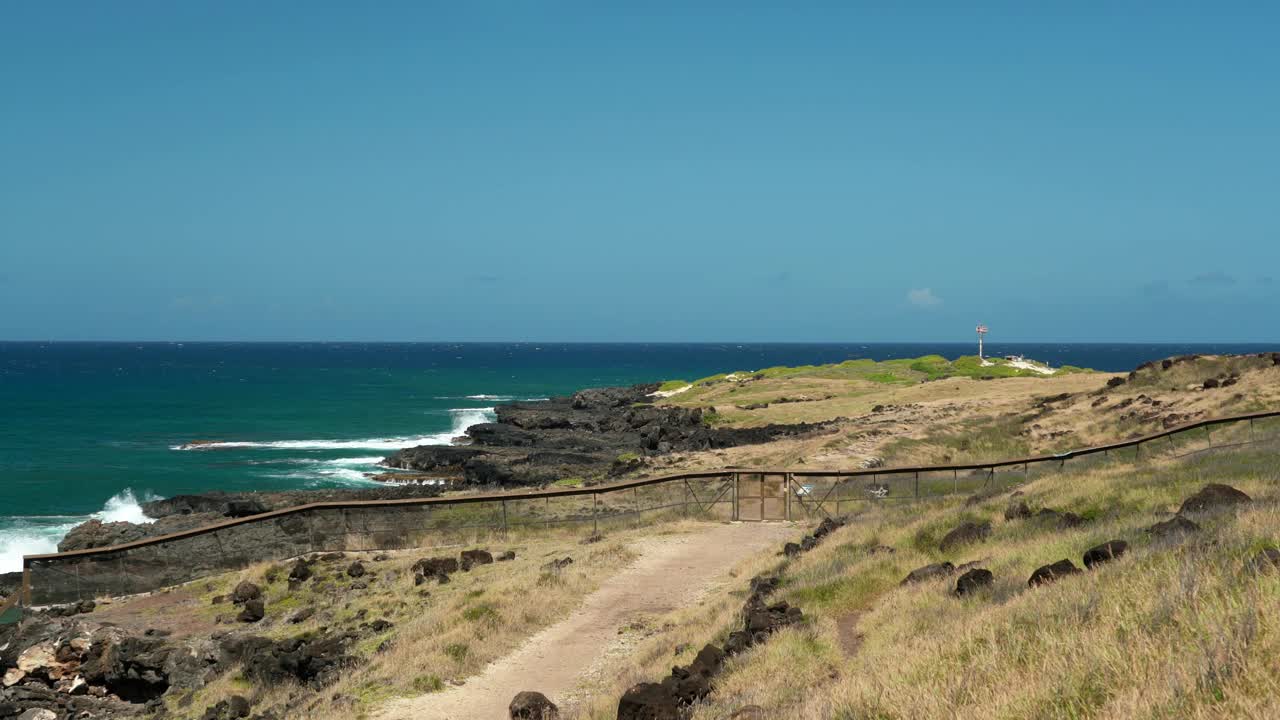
92 428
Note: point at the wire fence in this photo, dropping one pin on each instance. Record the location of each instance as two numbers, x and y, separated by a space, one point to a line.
743 494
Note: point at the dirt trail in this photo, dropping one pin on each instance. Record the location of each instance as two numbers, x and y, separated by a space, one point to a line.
671 571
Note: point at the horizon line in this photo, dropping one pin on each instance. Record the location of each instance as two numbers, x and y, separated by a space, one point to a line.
108 341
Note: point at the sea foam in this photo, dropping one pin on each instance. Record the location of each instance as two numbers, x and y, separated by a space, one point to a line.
39 535
463 418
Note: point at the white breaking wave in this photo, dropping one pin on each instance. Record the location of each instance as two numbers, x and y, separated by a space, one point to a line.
492 398
343 477
40 535
463 418
124 507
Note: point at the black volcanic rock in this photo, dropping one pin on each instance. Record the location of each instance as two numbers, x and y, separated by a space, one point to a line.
583 435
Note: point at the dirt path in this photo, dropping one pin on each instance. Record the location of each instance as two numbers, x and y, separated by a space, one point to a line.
671 571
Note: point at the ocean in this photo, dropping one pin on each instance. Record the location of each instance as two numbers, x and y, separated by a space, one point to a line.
92 429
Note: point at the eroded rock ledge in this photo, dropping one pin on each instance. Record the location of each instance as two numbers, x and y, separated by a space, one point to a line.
591 434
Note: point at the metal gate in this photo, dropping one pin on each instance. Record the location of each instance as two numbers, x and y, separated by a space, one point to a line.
761 496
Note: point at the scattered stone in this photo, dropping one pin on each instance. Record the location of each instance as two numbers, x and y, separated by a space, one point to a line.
929 572
356 569
437 568
1105 552
1017 510
1211 383
764 584
966 533
300 572
648 701
591 539
973 580
233 708
13 676
332 557
313 660
252 612
471 558
218 599
880 550
791 549
1266 560
38 714
301 615
1115 382
557 565
245 592
1213 496
1177 525
508 555
1052 572
529 705
1062 518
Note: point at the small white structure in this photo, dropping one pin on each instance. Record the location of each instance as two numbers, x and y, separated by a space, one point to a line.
982 330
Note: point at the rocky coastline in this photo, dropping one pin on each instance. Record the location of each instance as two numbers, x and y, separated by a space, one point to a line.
592 436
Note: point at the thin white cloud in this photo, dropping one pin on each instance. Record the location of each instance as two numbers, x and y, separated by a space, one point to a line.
923 298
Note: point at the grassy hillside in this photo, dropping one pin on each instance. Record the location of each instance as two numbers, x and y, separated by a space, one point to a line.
904 371
1177 628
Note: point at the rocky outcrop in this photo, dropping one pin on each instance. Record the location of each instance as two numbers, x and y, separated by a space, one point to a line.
75 669
471 558
529 705
973 580
314 660
1173 527
929 572
583 435
1052 572
1106 552
1265 560
965 534
1213 497
1061 518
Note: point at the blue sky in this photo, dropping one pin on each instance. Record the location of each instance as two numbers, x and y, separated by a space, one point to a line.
593 171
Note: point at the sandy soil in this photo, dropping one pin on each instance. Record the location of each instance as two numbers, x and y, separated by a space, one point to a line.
670 572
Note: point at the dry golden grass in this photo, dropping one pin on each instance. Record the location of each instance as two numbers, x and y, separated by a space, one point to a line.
441 634
1172 630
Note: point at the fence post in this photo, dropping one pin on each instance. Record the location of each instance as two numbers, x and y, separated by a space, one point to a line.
734 514
839 489
25 595
791 488
635 502
686 498
917 484
1209 435
595 523
504 517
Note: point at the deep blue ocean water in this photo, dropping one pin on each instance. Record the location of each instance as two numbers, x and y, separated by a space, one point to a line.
91 428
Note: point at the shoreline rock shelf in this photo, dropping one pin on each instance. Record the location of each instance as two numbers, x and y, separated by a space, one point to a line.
593 433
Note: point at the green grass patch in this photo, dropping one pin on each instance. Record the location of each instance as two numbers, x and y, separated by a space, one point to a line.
457 652
428 684
484 612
